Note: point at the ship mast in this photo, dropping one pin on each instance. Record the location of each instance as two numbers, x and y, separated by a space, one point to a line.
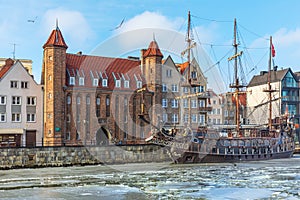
236 85
269 90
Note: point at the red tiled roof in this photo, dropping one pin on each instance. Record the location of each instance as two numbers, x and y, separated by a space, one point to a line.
96 66
8 63
153 50
56 39
183 66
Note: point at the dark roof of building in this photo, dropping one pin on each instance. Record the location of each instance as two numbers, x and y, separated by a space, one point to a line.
276 75
56 39
153 50
98 67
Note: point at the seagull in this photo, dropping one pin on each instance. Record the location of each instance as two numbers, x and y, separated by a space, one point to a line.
32 20
119 26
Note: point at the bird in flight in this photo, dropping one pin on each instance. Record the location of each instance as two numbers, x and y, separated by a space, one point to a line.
119 26
32 20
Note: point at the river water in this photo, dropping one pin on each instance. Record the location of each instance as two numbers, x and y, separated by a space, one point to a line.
273 179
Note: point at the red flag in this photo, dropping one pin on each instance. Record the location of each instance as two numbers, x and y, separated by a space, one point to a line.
272 49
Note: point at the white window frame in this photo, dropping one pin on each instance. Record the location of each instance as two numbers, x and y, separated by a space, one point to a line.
174 103
201 119
16 100
174 88
104 82
194 103
2 115
175 118
24 84
185 103
164 87
186 89
81 81
201 103
72 80
14 84
194 118
201 88
32 101
95 82
16 117
2 100
117 83
164 103
31 117
126 84
139 84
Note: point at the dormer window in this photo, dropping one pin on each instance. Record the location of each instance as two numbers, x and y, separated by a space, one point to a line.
117 79
72 80
139 84
95 82
118 83
104 82
138 80
81 81
126 84
126 80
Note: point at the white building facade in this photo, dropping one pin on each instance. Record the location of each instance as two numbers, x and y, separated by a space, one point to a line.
21 107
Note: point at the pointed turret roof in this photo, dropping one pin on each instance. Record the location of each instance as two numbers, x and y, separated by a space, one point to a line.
153 50
56 39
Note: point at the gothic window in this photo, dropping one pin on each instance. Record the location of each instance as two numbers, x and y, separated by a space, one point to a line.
98 101
107 102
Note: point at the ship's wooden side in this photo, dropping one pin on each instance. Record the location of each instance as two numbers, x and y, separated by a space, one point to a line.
197 153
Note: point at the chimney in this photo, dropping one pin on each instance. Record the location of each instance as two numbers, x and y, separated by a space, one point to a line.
9 62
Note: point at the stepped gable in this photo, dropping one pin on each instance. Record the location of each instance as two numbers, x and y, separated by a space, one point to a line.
56 39
8 63
92 67
153 50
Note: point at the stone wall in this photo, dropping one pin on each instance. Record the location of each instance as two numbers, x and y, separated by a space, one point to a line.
67 156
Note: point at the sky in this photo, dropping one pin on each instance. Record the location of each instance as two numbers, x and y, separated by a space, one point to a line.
93 27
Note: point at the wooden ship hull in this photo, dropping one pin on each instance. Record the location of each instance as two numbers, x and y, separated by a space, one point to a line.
199 153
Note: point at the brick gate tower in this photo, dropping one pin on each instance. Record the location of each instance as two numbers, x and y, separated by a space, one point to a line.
54 81
151 62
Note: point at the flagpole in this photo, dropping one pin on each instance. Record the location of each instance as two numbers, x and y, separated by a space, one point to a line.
269 85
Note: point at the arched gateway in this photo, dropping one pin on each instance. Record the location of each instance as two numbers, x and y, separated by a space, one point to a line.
103 136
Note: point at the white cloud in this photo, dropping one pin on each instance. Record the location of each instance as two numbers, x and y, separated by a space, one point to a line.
72 24
150 20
